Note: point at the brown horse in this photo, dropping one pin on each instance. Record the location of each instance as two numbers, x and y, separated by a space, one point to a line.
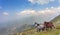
49 25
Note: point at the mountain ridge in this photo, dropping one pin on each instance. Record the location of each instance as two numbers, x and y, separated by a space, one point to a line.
56 19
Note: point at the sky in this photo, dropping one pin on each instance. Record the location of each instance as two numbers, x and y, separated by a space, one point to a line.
17 9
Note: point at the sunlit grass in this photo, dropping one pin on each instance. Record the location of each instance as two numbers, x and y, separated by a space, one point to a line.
33 32
54 32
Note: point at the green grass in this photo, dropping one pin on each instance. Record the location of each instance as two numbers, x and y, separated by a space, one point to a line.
33 32
54 32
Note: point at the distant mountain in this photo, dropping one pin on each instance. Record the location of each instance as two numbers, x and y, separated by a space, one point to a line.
17 25
24 27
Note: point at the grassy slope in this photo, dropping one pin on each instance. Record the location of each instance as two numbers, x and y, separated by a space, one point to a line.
33 32
54 32
56 21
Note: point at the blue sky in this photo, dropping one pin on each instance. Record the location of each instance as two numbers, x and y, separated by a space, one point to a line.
9 8
18 5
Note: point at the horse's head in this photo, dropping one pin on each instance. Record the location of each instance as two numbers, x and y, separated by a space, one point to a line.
35 22
45 22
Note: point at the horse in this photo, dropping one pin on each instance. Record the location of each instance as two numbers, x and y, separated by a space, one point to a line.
48 25
39 27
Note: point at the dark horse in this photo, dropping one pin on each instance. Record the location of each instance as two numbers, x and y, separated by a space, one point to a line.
48 25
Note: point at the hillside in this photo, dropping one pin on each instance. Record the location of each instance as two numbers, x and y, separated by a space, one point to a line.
56 22
33 32
56 19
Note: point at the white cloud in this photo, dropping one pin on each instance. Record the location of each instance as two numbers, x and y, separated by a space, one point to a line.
42 2
27 12
48 14
52 7
5 13
44 15
51 10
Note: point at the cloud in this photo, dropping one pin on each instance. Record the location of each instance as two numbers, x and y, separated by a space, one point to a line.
48 14
26 12
42 15
5 13
51 10
42 2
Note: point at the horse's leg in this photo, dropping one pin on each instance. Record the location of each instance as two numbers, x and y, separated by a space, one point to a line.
43 29
50 28
47 28
38 30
